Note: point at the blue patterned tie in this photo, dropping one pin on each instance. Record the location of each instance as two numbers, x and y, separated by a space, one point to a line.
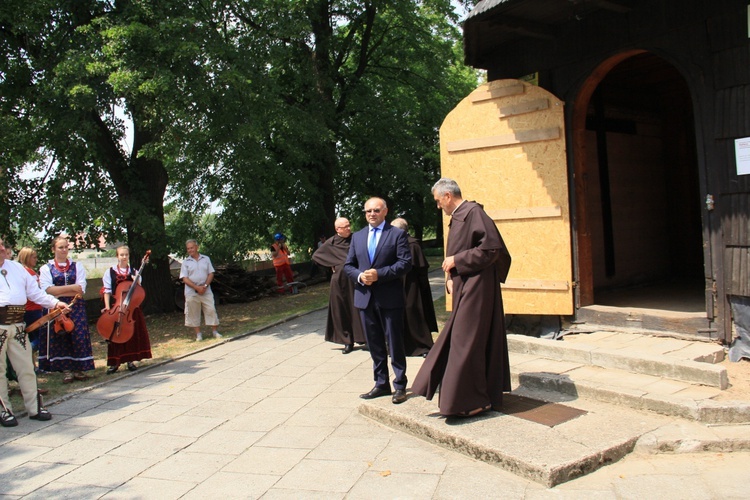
373 244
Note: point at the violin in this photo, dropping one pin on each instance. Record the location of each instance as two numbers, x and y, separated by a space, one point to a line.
117 324
55 314
63 324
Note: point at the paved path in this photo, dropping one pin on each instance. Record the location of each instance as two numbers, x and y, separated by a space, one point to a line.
274 415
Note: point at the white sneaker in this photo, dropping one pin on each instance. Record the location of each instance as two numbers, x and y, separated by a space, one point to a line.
199 337
217 335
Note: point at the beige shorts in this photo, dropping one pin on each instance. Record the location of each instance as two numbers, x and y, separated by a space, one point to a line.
193 306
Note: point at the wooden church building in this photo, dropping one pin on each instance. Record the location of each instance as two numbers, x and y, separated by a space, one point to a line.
611 145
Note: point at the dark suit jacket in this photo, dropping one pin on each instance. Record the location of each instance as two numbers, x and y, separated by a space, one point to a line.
392 261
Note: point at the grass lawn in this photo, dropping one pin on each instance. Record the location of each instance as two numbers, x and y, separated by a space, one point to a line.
171 339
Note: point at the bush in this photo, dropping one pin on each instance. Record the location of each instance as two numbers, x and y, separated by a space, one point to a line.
433 252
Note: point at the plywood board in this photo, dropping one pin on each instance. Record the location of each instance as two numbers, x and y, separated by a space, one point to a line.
511 87
524 213
524 107
524 186
518 137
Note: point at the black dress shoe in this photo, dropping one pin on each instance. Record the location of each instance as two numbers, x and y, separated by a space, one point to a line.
376 392
132 367
7 419
112 369
43 415
399 396
348 348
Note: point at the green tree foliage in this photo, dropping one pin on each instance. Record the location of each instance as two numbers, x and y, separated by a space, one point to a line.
346 99
66 68
285 112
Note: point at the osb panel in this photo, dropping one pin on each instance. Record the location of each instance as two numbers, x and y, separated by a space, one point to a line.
517 177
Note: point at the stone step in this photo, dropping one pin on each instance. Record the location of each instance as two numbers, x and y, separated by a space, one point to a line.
551 455
665 358
547 455
625 388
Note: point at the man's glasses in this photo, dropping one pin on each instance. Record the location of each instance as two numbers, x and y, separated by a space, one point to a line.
372 211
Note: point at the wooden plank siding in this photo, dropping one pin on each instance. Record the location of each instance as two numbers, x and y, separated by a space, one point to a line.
707 42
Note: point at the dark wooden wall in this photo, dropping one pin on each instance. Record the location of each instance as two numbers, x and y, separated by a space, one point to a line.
707 42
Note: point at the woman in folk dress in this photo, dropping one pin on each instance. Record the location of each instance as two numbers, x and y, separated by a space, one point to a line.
139 345
66 352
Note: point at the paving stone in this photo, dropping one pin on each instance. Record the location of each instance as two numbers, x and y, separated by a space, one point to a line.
188 426
188 467
146 487
157 413
291 436
31 476
225 442
268 461
108 471
233 485
79 451
336 476
63 490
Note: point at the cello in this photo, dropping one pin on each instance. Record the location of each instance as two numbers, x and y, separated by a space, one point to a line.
117 324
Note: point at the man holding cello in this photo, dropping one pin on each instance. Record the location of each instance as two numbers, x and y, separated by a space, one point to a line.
117 290
16 287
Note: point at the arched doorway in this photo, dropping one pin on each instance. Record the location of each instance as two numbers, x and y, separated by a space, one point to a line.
637 189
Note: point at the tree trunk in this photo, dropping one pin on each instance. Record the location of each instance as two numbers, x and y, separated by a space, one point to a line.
140 184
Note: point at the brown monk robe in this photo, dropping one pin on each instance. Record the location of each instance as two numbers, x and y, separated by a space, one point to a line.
419 313
470 358
344 325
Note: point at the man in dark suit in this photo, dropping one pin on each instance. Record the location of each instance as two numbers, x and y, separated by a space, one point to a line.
378 257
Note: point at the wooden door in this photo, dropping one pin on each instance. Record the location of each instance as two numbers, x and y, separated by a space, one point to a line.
505 146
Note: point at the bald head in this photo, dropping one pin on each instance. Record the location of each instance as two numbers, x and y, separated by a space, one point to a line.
342 227
401 224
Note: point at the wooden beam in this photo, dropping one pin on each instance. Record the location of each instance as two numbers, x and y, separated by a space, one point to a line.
611 6
523 108
520 137
536 285
523 27
497 92
525 213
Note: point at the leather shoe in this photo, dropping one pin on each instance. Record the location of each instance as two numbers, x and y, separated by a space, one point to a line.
376 392
399 396
348 348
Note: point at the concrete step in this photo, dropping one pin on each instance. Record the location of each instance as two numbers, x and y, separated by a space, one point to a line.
554 455
691 362
547 455
642 373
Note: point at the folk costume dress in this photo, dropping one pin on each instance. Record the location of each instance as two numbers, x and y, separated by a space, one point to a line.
139 345
59 352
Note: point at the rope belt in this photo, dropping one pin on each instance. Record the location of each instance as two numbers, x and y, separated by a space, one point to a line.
10 315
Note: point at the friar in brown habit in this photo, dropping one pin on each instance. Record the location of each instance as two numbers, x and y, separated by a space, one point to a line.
470 358
419 313
344 324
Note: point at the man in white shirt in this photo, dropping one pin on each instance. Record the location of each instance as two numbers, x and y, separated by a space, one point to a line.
16 287
197 273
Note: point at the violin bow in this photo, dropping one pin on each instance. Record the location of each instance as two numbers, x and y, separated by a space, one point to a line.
50 316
